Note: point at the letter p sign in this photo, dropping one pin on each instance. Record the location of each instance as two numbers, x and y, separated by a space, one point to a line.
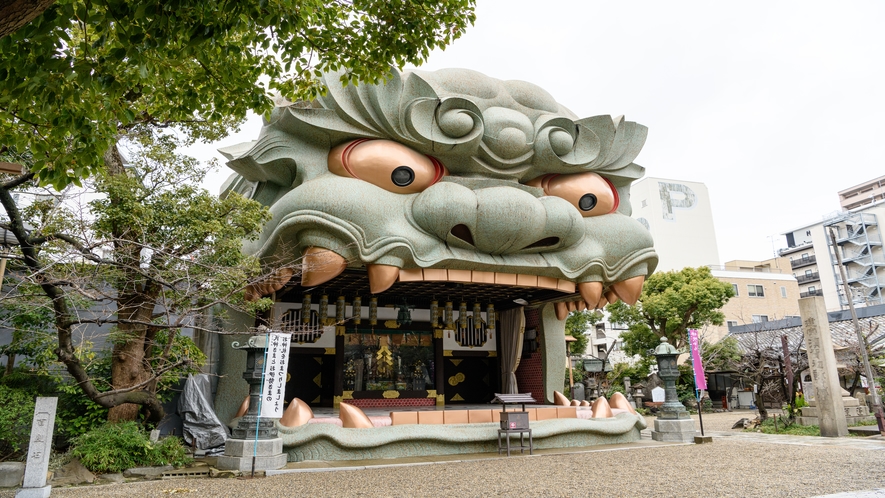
675 195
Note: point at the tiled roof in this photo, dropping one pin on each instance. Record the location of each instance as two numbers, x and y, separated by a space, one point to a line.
768 334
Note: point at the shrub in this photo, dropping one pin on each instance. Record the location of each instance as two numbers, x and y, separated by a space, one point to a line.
16 414
78 414
116 447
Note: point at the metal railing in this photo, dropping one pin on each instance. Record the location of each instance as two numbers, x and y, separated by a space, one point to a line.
816 292
808 277
808 260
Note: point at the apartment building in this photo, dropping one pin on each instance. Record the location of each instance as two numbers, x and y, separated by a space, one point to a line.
866 193
676 211
764 291
812 256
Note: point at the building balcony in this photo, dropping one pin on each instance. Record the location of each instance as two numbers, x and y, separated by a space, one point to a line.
793 249
800 262
813 277
816 292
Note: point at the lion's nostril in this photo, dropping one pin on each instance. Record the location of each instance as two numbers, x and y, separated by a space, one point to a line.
547 242
463 233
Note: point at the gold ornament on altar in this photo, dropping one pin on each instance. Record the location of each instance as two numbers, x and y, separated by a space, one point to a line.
384 358
449 317
462 316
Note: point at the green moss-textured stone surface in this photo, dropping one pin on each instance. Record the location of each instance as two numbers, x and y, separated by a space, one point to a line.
552 352
330 442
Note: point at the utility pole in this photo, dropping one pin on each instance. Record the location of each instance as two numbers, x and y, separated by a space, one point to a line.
861 340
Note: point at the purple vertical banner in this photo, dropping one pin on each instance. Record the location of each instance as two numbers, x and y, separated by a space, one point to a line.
700 380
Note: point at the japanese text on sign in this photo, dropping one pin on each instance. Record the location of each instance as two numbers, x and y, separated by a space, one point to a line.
275 369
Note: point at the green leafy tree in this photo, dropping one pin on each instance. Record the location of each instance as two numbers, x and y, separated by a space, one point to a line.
671 303
84 74
721 356
578 325
146 253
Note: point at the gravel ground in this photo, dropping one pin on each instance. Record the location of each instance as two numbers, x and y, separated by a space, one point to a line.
737 465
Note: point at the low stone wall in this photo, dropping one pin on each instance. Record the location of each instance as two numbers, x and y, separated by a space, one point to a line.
330 442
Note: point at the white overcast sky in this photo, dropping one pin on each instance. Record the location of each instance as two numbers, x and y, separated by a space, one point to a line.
774 105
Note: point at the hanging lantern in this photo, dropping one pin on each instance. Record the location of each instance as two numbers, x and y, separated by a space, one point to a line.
373 311
490 317
357 310
339 310
477 316
449 318
434 314
324 309
305 309
462 316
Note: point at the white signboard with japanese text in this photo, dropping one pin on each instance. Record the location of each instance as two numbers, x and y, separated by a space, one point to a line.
276 366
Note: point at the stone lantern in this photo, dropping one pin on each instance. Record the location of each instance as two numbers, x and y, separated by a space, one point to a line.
673 422
246 450
666 355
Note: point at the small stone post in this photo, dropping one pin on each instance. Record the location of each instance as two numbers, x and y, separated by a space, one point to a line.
34 485
822 363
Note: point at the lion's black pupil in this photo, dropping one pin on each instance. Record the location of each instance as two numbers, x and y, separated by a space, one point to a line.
587 202
403 176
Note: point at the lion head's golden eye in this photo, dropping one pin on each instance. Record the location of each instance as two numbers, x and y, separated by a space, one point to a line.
386 164
592 194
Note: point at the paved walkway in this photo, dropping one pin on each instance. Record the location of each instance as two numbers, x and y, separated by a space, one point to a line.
736 464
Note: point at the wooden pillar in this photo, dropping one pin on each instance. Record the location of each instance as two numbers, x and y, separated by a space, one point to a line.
339 362
438 359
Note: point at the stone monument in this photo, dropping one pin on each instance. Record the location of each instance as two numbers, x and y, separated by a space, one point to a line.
39 448
856 412
673 422
822 364
253 438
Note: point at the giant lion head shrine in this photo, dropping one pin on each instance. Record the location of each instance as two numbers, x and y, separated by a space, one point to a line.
443 225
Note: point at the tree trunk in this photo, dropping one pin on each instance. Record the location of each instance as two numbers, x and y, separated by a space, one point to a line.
10 363
854 383
135 305
760 405
127 369
16 13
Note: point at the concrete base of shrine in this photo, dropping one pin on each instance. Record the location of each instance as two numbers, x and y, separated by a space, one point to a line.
331 443
238 455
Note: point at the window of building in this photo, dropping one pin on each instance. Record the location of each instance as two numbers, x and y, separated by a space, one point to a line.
804 256
731 323
811 288
808 233
760 318
755 291
735 287
808 273
644 203
783 291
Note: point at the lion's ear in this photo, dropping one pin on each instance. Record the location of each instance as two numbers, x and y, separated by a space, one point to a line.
262 161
